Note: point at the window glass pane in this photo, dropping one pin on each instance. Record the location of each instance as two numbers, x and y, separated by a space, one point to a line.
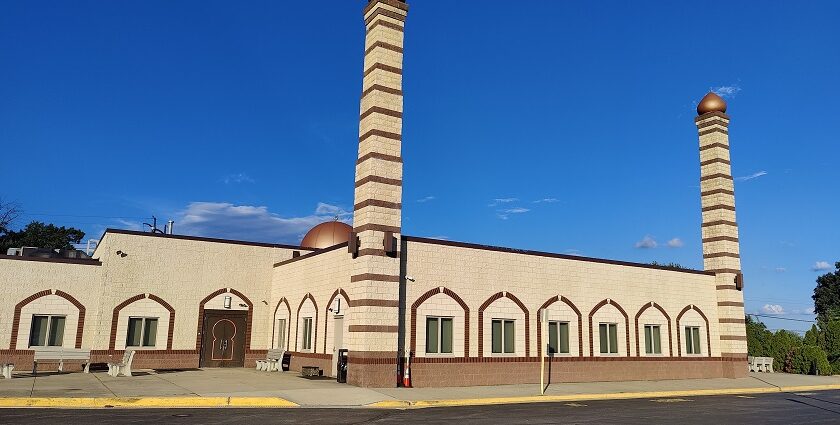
135 329
497 336
602 334
56 331
446 335
307 333
38 333
657 341
648 339
150 332
552 337
509 338
688 345
281 335
613 338
696 333
564 337
431 335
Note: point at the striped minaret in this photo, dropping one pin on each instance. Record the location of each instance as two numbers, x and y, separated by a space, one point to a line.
374 284
721 253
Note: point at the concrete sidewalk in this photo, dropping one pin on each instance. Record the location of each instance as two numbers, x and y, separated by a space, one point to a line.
247 387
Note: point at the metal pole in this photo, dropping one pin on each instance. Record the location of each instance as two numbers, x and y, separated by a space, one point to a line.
542 351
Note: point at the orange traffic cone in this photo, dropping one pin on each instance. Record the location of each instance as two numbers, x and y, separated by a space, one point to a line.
407 378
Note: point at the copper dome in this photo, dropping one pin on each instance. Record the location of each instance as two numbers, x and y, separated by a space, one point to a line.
711 103
326 235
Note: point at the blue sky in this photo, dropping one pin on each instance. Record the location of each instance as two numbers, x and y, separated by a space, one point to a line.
557 126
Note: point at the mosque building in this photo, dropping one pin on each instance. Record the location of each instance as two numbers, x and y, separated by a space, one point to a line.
450 313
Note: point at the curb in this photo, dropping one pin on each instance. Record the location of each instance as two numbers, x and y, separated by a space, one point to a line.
407 404
144 402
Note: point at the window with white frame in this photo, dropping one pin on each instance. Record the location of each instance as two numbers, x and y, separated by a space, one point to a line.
558 337
503 340
439 335
653 342
47 331
307 333
608 332
692 340
142 332
281 334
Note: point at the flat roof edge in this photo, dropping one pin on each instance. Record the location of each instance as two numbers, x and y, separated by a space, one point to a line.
204 239
549 255
311 254
80 261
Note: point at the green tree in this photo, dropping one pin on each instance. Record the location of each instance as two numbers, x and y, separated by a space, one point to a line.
758 338
782 344
42 236
827 295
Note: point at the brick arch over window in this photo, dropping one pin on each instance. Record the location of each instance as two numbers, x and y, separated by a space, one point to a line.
519 303
451 294
592 331
327 311
667 317
288 322
116 315
708 335
19 307
248 318
314 325
574 308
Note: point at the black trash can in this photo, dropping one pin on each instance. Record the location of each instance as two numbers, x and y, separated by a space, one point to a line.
341 376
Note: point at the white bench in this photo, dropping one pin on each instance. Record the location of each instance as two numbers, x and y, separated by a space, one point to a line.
123 367
7 369
51 354
272 360
760 364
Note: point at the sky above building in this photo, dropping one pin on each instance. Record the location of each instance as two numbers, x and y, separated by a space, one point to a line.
557 126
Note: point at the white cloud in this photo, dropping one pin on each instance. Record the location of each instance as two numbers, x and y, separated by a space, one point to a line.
426 199
820 266
505 214
780 269
546 201
675 243
727 91
773 309
253 223
130 225
237 178
752 176
647 242
498 201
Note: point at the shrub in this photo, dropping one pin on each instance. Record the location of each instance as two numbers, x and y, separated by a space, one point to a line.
810 359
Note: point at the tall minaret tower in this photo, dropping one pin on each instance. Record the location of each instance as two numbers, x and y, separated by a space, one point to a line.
721 253
374 284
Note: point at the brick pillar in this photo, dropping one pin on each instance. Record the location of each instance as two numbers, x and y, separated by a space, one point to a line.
374 283
721 253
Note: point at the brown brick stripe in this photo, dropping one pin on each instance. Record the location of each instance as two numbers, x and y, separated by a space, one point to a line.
314 325
519 303
721 254
720 238
384 23
377 203
730 304
715 160
451 294
714 145
380 110
708 115
733 337
710 123
592 331
719 222
574 308
384 89
380 133
374 277
383 67
733 271
393 3
374 328
726 287
718 207
384 45
377 155
384 12
378 179
713 130
370 302
376 227
19 306
716 191
730 320
715 176
667 318
337 292
375 252
708 335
